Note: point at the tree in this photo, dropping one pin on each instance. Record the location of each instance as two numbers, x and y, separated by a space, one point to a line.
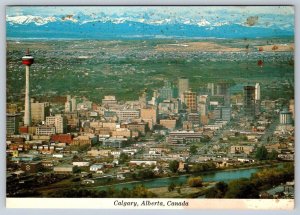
145 174
173 165
76 158
171 187
193 149
76 169
222 186
242 188
218 191
261 153
273 155
123 158
195 181
200 167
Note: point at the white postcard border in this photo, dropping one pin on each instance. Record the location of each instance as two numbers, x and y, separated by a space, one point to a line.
133 203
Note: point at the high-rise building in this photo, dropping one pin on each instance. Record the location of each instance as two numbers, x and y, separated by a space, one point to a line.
190 100
58 122
257 91
166 92
168 106
39 111
149 115
183 85
257 99
12 123
27 60
211 88
68 106
223 89
72 120
143 99
74 104
193 118
217 113
226 113
203 104
249 101
285 117
292 107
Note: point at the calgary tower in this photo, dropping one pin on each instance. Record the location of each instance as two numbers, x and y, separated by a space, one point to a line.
27 60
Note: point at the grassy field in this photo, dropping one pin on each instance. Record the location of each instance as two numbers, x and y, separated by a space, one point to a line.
125 68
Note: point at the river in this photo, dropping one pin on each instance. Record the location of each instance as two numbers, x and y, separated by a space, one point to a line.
225 176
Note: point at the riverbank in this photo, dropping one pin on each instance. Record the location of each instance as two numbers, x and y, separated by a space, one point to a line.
182 191
225 175
120 185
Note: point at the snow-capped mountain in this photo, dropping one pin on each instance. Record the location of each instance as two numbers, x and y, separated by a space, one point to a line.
99 26
37 20
23 20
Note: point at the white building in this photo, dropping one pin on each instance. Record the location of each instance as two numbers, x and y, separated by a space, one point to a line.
57 121
45 130
96 167
81 163
125 115
257 91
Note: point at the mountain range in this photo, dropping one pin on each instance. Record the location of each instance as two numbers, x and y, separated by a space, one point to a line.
86 27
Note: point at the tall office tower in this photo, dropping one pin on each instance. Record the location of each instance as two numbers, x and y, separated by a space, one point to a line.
143 99
249 101
154 100
74 104
257 91
292 107
226 113
27 60
211 88
257 98
68 104
166 92
39 111
223 89
12 124
190 100
150 116
183 85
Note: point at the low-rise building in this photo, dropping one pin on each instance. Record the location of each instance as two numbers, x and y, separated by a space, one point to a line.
84 140
62 138
239 149
116 142
184 137
64 169
99 152
168 123
81 163
142 162
96 167
45 130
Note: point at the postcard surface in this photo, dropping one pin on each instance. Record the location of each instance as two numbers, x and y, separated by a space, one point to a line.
150 107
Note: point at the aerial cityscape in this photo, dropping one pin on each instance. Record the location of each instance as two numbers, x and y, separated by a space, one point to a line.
150 102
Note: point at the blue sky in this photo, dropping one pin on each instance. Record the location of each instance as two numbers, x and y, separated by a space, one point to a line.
268 16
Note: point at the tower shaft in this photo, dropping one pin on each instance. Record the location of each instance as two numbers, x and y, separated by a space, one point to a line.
27 115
